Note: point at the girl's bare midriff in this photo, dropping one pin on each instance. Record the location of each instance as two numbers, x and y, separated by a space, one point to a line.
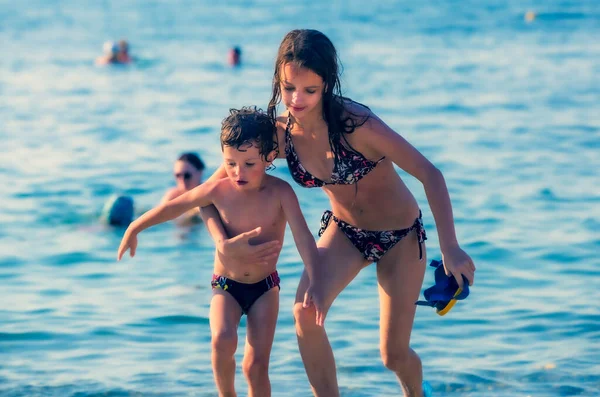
379 201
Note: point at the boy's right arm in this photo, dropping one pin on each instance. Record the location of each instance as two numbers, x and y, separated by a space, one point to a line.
200 196
237 249
219 173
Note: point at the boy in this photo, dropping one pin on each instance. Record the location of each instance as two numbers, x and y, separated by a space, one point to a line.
248 198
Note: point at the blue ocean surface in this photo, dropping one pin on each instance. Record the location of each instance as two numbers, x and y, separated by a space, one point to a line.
507 109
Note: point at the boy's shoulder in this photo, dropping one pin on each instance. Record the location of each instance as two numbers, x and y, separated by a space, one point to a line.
217 186
277 182
279 186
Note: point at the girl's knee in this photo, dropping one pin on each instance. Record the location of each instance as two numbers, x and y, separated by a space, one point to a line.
397 358
304 317
224 342
255 367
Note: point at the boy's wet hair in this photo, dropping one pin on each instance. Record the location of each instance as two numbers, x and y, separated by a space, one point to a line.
193 159
249 125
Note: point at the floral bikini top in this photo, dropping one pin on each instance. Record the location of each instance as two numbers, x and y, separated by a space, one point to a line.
349 167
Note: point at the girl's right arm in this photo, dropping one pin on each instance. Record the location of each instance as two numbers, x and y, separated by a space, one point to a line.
220 173
200 196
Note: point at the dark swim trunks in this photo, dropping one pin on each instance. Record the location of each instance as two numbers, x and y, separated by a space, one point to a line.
245 294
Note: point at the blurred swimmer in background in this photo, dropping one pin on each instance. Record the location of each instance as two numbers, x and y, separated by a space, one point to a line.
123 53
118 211
187 170
115 53
234 56
111 51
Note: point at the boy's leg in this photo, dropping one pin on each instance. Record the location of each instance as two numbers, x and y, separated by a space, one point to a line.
262 319
225 314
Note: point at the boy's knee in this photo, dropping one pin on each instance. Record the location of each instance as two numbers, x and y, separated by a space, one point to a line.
224 342
255 367
304 317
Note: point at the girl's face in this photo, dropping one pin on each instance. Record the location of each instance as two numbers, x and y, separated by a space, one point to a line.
186 175
245 166
301 90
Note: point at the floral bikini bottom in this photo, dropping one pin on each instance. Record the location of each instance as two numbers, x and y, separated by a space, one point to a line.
374 244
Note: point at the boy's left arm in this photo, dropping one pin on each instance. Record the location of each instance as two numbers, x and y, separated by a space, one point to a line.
307 247
303 238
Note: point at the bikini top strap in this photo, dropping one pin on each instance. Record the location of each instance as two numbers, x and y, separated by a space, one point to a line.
288 126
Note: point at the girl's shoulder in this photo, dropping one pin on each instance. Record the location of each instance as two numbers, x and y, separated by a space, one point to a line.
354 110
282 119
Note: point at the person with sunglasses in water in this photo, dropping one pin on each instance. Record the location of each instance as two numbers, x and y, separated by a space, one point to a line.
187 171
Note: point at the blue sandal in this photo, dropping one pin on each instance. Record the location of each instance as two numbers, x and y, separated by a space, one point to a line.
445 292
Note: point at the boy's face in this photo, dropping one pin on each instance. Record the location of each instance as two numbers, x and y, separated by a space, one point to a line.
245 166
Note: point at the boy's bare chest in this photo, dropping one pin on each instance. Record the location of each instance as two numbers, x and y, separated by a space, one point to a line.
241 213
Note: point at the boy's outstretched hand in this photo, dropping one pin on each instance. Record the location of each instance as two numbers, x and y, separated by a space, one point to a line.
129 242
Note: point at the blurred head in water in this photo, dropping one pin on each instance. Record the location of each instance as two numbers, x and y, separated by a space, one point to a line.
111 49
118 211
111 52
234 56
188 171
123 52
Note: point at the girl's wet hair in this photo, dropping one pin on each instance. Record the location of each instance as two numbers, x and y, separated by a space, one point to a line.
249 125
193 159
312 50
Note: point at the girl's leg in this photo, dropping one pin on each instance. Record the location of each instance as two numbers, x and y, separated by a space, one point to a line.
262 319
400 276
225 314
340 262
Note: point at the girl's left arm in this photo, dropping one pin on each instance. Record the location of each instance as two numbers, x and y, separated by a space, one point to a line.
382 139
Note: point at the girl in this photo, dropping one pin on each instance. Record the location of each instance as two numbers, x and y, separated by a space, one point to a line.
341 146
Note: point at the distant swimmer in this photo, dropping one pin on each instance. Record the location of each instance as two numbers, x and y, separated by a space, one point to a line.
530 16
111 51
115 53
118 211
234 56
123 53
187 171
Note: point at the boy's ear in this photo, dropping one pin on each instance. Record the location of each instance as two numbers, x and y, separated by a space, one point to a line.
272 156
